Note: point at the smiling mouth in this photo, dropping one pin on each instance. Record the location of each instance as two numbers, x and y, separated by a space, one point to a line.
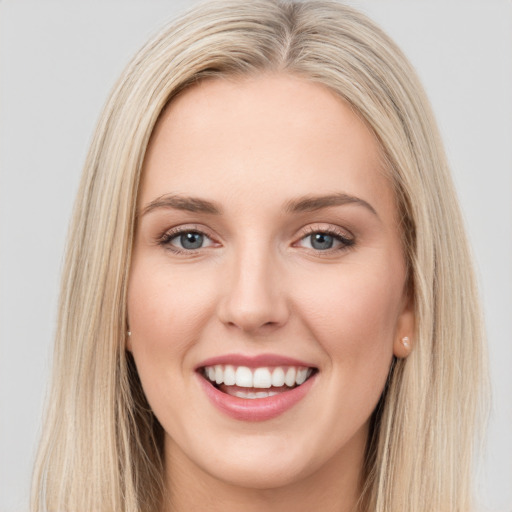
255 383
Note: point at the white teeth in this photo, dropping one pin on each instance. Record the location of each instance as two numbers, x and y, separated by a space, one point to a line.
301 376
243 377
245 394
219 374
278 377
229 375
262 378
289 379
252 394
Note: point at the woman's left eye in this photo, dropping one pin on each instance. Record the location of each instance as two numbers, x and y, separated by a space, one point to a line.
325 241
186 240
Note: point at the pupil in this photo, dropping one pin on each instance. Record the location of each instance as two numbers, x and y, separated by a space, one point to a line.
191 240
321 241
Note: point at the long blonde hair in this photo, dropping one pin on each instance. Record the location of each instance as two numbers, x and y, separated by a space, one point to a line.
101 448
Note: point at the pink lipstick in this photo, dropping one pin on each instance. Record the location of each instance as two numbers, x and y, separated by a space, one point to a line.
255 388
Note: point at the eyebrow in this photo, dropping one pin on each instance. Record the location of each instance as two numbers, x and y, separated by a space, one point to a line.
313 203
177 202
301 204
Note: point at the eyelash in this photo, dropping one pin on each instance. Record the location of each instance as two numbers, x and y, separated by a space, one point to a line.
346 242
168 236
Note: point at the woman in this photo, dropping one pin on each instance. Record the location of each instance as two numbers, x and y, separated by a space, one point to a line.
268 300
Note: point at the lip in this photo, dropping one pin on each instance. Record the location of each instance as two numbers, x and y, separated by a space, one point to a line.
254 361
260 409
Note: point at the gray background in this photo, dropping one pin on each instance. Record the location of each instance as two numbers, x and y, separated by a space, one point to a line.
58 60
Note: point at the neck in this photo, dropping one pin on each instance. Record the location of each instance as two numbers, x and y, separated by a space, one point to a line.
334 487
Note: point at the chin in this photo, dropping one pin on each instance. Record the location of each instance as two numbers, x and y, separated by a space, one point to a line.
262 461
261 474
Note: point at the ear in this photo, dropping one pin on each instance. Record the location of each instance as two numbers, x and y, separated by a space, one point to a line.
405 329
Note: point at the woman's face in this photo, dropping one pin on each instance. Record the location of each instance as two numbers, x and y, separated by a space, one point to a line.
267 251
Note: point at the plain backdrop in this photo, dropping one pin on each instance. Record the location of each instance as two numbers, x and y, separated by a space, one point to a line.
58 61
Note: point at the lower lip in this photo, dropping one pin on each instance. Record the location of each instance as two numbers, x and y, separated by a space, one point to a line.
255 409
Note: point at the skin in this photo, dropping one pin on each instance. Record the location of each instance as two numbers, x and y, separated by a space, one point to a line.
259 286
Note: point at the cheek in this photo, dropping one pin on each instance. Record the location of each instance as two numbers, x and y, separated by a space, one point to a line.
167 312
164 323
348 304
353 313
166 309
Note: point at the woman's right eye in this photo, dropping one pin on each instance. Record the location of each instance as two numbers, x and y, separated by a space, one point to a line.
186 240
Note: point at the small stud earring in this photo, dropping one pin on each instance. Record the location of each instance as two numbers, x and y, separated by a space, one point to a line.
405 342
129 333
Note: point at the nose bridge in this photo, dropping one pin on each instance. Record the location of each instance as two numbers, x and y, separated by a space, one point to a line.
255 295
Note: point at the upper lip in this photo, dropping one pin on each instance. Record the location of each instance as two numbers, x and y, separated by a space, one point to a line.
254 361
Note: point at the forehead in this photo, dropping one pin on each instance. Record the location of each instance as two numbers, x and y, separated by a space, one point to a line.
268 138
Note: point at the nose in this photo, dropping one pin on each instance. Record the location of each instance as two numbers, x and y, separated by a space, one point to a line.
254 298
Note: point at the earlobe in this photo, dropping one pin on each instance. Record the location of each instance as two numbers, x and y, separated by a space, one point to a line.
402 347
403 343
128 340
